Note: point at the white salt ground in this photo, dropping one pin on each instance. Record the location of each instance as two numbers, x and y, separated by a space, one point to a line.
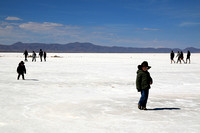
87 93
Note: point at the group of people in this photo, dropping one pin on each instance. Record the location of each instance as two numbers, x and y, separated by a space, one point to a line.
180 57
143 79
34 55
21 69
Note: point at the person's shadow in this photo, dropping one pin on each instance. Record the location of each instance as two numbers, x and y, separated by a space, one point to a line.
164 109
32 79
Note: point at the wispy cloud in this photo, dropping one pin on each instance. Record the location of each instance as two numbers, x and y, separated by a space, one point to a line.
13 18
39 27
148 29
11 33
47 26
53 30
46 32
149 43
189 24
151 29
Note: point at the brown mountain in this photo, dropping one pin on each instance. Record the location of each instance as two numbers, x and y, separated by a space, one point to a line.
77 47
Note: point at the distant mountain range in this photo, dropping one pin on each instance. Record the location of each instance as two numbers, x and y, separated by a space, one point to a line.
77 47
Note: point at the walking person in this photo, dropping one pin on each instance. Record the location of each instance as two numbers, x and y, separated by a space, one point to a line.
45 55
188 56
26 55
172 57
41 54
34 56
182 57
178 55
143 82
21 70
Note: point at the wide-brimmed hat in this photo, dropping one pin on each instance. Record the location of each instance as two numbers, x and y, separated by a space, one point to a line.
145 64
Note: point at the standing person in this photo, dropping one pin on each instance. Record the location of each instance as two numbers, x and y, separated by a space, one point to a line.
188 56
178 55
143 82
21 70
45 55
26 55
34 56
41 54
172 57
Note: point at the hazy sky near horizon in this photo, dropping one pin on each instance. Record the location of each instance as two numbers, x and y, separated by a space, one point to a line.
129 23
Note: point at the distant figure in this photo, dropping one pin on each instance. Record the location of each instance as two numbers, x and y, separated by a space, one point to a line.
41 54
45 55
178 55
188 56
182 57
172 57
34 56
26 55
21 70
143 82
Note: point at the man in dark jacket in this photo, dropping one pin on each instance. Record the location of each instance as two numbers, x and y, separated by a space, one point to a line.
188 56
41 54
172 57
21 70
143 82
26 55
45 56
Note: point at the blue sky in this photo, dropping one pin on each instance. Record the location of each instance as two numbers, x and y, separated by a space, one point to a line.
129 23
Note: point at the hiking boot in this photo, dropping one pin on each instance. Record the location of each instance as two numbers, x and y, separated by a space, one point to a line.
139 107
143 108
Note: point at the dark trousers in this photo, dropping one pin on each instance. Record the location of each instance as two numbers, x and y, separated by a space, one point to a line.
144 98
40 58
34 59
26 58
19 76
